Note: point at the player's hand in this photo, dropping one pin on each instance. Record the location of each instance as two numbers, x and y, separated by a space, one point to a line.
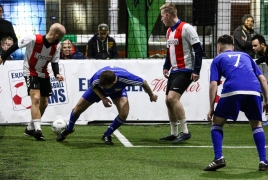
265 108
2 61
153 98
194 77
210 115
107 102
60 77
165 73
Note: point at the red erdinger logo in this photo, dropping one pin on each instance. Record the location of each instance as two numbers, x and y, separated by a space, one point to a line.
161 85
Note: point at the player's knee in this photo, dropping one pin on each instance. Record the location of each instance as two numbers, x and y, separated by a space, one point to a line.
35 100
170 100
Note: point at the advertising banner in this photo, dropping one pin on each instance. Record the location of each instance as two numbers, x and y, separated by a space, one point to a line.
15 103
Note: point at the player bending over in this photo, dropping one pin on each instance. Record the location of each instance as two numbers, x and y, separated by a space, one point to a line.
241 92
108 82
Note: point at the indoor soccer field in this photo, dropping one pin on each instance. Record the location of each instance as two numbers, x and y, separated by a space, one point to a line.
137 154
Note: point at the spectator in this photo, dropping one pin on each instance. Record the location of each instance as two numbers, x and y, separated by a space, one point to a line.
5 44
69 51
101 45
259 46
6 28
243 35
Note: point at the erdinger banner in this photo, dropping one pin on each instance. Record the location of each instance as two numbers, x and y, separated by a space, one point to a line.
15 103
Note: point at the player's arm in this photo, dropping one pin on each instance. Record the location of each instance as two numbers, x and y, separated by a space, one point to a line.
198 61
7 53
55 64
106 102
264 87
167 65
213 87
55 68
148 90
198 50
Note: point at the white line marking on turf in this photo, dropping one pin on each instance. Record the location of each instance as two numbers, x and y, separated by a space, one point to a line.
122 139
226 147
126 143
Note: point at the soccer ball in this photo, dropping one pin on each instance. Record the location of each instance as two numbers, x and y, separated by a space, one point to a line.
58 126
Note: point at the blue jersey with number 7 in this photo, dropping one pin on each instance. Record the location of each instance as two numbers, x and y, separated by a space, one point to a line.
240 72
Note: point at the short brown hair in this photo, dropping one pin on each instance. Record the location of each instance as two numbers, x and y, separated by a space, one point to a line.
169 8
106 78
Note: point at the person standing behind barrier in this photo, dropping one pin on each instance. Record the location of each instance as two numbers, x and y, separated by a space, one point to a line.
260 47
69 51
241 92
184 60
101 45
6 27
243 35
40 51
5 45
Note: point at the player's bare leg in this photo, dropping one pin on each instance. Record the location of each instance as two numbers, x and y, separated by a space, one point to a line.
80 107
176 113
122 106
35 113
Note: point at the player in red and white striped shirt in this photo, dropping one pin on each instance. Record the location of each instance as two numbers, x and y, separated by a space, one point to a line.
40 50
184 60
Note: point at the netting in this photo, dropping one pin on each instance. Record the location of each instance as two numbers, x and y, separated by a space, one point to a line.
135 24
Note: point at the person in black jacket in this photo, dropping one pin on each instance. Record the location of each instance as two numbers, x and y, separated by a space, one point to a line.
260 48
243 35
6 27
101 45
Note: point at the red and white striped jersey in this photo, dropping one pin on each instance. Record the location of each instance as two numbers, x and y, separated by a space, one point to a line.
37 55
179 44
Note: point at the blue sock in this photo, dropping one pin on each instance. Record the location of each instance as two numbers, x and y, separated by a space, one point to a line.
260 141
217 138
115 125
73 119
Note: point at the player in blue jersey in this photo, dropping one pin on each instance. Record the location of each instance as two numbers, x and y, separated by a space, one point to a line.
241 92
108 82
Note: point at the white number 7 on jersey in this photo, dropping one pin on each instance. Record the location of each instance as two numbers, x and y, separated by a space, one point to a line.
237 60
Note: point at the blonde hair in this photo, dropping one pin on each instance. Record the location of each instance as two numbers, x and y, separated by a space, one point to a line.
3 41
170 9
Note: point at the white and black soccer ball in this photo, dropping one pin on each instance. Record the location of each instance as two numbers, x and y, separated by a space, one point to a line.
58 126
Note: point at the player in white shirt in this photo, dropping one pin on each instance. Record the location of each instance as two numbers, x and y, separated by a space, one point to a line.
40 51
241 92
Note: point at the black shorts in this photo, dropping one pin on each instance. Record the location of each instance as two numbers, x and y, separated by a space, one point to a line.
179 82
42 84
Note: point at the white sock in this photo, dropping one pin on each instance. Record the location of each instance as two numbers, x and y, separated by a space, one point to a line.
30 126
174 128
37 124
184 127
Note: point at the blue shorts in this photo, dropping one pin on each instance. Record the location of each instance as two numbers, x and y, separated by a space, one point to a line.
229 107
91 96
